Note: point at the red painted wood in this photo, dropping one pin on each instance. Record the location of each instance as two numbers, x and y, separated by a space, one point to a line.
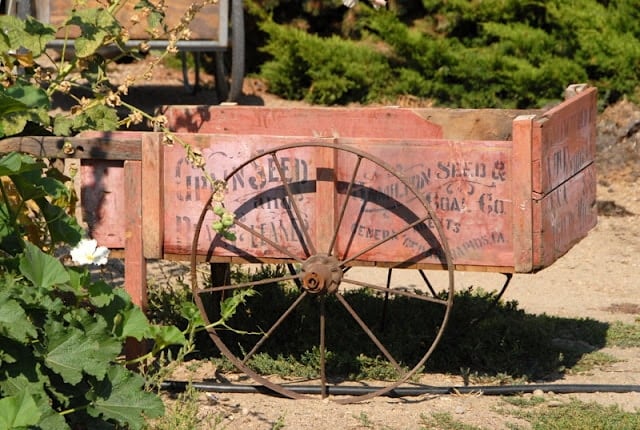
302 121
565 141
152 195
135 274
522 193
515 204
103 201
135 280
564 216
467 183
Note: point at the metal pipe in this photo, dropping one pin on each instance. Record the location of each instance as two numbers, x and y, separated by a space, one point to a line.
488 390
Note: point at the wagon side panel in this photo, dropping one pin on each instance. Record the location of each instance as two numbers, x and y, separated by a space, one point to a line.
255 194
564 143
564 177
564 217
466 183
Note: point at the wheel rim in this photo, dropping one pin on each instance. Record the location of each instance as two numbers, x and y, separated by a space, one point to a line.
320 272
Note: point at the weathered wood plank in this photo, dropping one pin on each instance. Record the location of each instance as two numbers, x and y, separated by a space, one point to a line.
135 279
564 216
95 146
474 124
564 141
152 195
522 193
302 121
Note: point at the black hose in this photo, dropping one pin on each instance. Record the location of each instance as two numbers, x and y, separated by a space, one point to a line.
488 390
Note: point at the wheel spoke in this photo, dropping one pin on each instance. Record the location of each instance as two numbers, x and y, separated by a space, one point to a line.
267 240
396 291
274 327
368 331
249 284
426 281
343 209
386 239
292 202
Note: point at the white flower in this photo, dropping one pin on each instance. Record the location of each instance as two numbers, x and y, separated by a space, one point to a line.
87 251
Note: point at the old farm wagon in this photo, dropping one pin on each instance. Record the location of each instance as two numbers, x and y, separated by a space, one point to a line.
323 195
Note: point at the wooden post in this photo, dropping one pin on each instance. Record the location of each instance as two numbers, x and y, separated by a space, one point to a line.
135 276
152 195
522 193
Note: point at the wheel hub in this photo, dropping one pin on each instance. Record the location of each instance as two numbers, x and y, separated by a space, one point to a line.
321 274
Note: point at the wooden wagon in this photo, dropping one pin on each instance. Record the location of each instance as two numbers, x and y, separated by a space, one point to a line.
322 191
217 28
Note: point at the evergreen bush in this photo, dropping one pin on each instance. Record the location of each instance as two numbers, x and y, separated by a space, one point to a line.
494 53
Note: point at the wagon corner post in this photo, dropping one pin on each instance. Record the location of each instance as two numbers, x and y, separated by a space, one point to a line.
522 193
135 281
152 195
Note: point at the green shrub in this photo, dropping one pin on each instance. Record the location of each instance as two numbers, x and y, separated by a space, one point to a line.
507 54
323 71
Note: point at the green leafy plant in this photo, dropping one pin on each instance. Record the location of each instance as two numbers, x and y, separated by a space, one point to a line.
61 332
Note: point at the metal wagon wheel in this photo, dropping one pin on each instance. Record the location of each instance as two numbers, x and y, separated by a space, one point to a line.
319 279
230 64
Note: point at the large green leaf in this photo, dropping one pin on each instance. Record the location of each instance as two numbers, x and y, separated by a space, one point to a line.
120 397
41 269
62 226
33 186
68 351
73 351
15 163
39 34
20 104
29 34
100 294
166 335
96 24
13 320
18 411
134 324
9 105
98 117
98 360
30 96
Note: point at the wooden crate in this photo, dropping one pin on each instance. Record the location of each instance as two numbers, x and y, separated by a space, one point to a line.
514 190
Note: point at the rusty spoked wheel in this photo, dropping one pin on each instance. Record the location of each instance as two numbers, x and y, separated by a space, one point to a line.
305 216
